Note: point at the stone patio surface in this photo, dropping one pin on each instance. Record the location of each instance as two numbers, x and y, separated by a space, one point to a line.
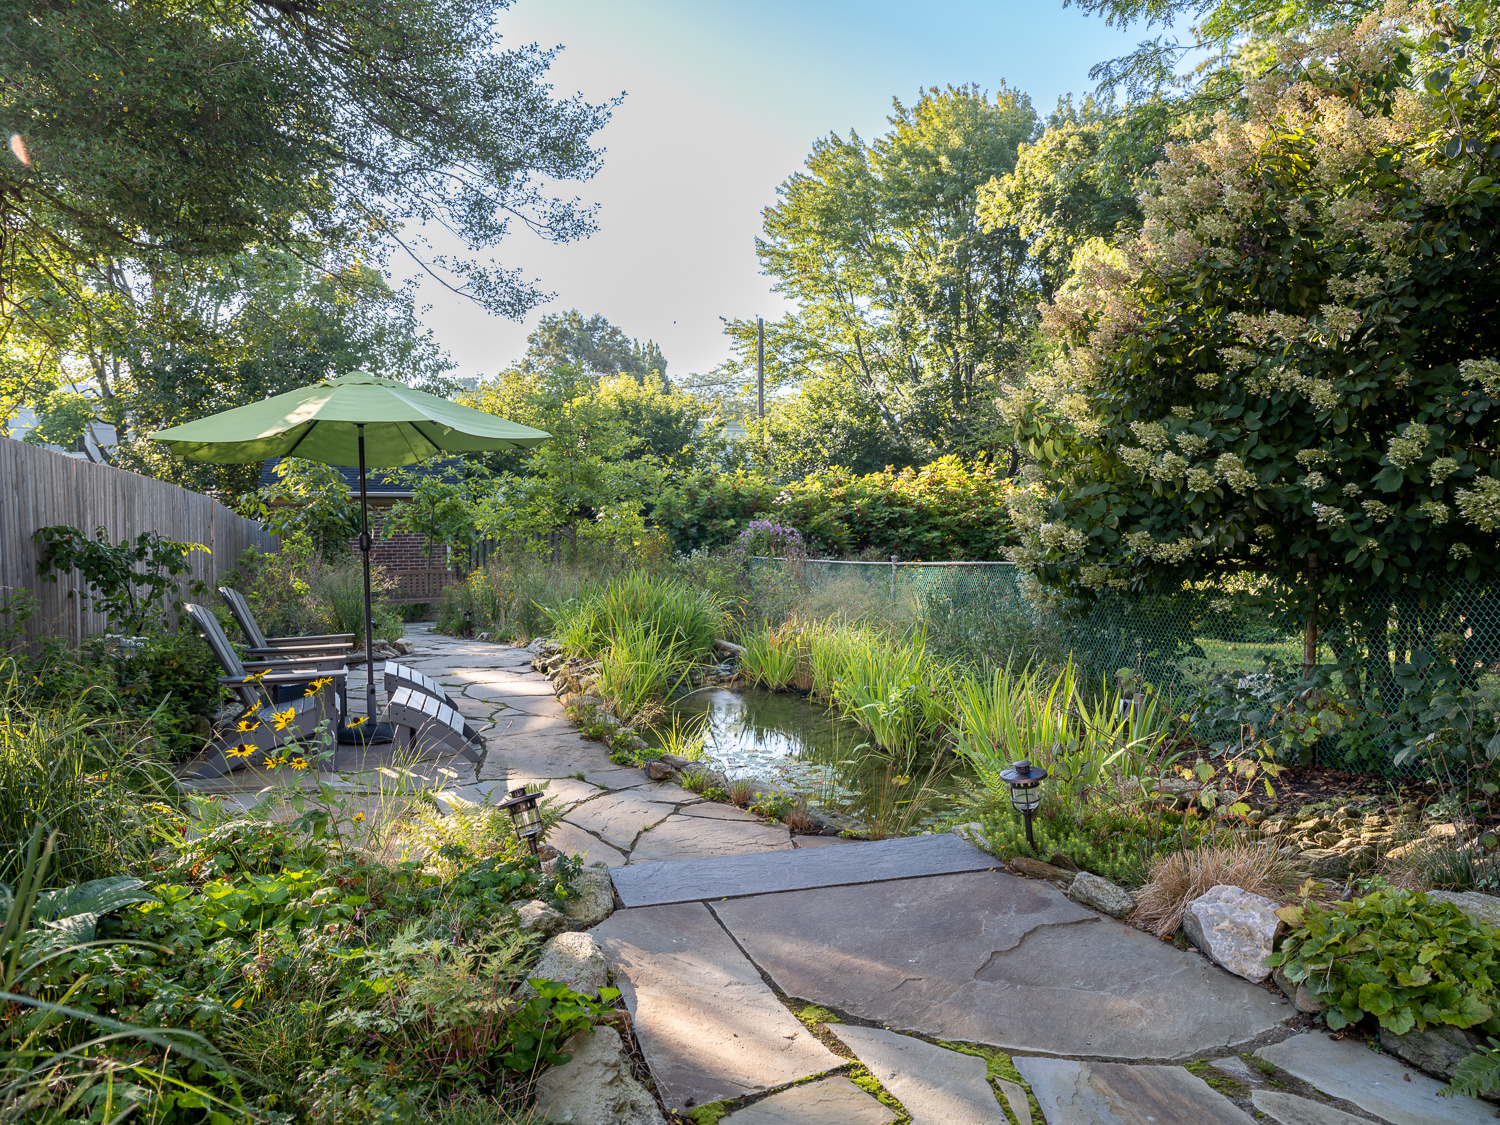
731 925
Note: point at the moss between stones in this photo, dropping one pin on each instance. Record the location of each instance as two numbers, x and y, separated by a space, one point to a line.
871 1085
998 1065
709 1114
1231 1088
812 1015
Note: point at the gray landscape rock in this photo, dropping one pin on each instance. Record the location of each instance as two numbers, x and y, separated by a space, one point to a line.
937 1086
829 1101
575 960
1236 929
1289 1109
708 1025
1101 894
595 1086
972 833
1479 907
1078 1093
1378 1084
593 895
1437 1050
539 918
658 770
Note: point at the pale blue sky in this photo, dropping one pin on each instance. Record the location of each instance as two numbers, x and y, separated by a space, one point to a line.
722 104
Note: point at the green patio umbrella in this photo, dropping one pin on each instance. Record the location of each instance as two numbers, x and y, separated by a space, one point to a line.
354 419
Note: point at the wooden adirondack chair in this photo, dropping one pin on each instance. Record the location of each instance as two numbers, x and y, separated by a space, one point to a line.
265 728
329 644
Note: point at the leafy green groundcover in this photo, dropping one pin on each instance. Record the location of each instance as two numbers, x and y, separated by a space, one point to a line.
336 988
1396 955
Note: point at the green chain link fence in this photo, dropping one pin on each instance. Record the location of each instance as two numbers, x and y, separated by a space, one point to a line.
1229 650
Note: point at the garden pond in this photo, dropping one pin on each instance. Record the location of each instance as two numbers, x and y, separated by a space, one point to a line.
785 737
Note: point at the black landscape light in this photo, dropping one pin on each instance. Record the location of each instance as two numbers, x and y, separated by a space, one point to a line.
1025 781
524 813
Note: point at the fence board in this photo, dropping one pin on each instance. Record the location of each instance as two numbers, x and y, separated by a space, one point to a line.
40 488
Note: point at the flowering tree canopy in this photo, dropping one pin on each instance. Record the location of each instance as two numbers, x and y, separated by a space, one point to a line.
1292 366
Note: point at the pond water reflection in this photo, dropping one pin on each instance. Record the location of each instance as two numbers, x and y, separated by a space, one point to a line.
784 738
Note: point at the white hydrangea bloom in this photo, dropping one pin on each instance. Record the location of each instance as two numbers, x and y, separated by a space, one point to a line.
1377 511
1152 435
1330 515
1434 510
1480 505
1231 470
1138 459
1170 467
1404 451
1441 469
1352 490
1315 482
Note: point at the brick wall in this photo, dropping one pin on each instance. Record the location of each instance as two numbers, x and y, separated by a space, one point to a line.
402 551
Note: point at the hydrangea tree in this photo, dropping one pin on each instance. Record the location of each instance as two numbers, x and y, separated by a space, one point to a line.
1290 368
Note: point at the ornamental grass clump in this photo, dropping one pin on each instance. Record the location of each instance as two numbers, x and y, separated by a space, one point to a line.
1177 879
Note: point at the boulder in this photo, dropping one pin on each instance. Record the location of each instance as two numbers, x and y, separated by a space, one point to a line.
593 895
658 770
1101 894
538 918
729 648
1479 907
595 1086
1438 1050
1236 929
573 959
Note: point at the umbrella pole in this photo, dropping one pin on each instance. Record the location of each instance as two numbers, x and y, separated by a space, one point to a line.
371 730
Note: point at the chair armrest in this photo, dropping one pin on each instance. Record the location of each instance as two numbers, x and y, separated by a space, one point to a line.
272 678
312 663
324 638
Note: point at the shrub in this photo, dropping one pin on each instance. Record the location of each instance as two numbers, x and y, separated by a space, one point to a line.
1178 879
1396 955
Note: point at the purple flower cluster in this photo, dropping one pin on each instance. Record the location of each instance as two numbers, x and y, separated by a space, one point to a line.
779 539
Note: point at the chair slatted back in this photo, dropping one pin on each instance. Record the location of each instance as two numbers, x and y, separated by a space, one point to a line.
239 609
223 651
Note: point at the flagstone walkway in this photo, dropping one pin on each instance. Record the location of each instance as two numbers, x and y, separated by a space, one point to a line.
728 929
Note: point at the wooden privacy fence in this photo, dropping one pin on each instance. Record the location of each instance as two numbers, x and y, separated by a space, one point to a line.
39 488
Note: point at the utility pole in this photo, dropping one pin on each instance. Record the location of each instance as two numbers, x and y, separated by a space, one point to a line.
760 368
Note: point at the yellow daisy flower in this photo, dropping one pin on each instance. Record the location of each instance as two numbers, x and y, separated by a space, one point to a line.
358 817
284 719
275 763
243 750
298 763
246 726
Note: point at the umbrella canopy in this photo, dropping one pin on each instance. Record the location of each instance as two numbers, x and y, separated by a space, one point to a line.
323 422
354 419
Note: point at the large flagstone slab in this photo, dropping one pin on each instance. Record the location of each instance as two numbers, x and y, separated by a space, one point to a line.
644 884
618 818
937 1086
571 840
1075 1093
695 837
1378 1084
707 1024
985 957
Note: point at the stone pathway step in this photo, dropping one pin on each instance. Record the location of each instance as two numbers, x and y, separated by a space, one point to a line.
708 1025
1077 1093
738 876
937 1086
1378 1084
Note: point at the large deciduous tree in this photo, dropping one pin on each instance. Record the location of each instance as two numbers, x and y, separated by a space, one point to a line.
902 298
594 346
1291 368
153 141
